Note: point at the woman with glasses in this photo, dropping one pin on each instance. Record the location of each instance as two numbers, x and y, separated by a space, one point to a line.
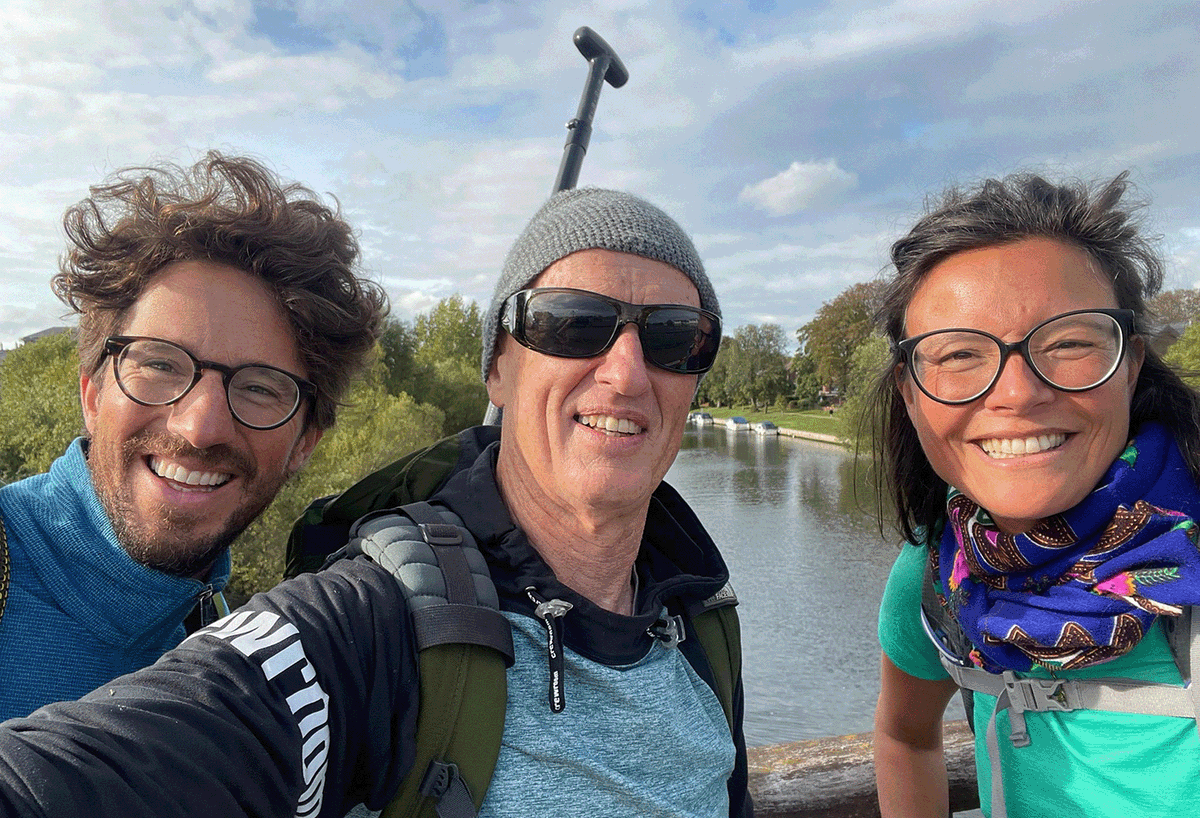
1043 462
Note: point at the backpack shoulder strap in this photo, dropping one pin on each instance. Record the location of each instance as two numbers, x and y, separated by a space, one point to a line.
717 629
442 573
947 635
718 638
465 647
1183 635
940 626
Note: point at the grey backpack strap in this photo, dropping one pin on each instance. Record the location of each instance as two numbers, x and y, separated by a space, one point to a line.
442 573
947 635
1184 638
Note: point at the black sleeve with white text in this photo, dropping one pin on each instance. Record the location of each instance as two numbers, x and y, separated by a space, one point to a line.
301 703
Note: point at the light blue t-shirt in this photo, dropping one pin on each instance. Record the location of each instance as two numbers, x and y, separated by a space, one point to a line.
643 739
1082 762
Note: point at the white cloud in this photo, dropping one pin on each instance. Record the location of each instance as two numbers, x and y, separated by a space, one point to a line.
439 173
800 187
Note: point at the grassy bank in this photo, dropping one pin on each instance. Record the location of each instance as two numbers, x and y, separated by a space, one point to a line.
813 420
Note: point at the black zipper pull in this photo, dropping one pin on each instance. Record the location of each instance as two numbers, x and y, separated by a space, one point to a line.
669 630
550 611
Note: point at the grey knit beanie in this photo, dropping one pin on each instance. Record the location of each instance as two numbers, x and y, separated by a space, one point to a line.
592 219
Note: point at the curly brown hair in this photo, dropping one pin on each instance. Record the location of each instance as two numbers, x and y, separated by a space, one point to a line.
233 211
1000 211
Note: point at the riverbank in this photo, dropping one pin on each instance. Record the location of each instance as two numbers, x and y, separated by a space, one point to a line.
816 425
815 436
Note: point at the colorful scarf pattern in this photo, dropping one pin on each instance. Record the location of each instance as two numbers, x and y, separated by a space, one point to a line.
1084 586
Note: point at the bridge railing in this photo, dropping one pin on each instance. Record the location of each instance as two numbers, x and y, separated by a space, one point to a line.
835 777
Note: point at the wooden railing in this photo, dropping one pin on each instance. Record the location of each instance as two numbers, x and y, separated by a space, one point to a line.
835 777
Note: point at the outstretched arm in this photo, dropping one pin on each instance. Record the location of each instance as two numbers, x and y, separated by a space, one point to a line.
910 767
300 703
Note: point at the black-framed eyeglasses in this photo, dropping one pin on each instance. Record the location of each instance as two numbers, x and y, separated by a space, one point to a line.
1072 352
570 323
154 372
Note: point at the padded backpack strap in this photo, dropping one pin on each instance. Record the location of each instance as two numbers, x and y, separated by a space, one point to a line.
465 647
443 575
947 635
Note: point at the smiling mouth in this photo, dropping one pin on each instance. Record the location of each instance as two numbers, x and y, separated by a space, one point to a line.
188 479
610 425
1000 448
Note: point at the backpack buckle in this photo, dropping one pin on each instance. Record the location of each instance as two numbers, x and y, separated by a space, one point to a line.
437 779
442 781
1040 695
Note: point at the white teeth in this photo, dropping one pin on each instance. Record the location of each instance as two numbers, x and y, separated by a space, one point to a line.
1017 446
610 424
178 474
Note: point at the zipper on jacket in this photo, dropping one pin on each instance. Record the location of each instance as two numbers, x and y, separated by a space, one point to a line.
550 611
211 604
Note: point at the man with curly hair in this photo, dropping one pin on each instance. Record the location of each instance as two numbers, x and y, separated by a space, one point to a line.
222 315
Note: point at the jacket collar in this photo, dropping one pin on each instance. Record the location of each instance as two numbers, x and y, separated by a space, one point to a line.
68 544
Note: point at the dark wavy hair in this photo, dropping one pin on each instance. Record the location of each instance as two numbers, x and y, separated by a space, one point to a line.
232 211
999 211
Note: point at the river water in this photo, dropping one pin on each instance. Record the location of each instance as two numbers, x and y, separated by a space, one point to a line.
808 565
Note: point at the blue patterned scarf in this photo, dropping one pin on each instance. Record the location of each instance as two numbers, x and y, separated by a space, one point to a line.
1081 587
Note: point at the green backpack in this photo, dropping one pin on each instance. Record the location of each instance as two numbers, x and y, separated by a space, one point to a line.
461 656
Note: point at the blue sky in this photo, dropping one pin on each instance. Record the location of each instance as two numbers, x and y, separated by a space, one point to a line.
795 141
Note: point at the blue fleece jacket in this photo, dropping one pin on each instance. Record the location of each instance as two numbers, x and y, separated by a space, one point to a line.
80 611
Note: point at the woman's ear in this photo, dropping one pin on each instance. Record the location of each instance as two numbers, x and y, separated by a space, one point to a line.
905 384
1137 355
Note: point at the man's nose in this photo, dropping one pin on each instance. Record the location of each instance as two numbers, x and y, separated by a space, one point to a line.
624 365
202 416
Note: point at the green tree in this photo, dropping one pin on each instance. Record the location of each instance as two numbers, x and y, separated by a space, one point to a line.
39 405
452 329
759 369
839 327
436 361
398 353
1184 355
866 365
454 387
806 382
714 387
1171 306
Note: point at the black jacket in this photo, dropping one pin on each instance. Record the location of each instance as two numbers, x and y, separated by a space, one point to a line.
302 701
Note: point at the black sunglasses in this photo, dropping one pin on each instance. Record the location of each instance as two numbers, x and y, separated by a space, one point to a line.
154 372
580 324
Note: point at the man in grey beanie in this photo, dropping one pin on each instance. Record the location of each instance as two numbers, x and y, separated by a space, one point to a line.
624 692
